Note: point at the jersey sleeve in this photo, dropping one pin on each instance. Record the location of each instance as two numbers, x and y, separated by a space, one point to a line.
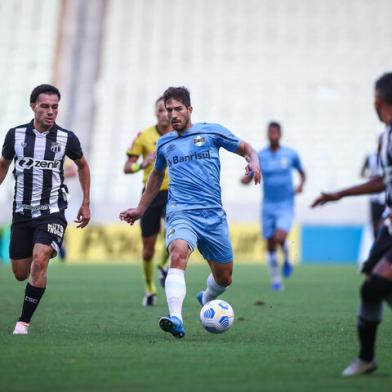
297 164
224 138
73 149
160 160
8 151
136 147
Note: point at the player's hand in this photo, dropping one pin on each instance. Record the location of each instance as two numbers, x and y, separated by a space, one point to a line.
326 198
83 217
131 215
252 169
299 189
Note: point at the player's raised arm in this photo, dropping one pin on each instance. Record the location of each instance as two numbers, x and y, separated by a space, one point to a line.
374 185
152 189
252 169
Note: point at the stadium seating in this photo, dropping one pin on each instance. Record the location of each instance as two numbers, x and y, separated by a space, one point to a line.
27 57
309 65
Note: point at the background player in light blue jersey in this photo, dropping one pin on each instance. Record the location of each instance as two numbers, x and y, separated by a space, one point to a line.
195 217
277 164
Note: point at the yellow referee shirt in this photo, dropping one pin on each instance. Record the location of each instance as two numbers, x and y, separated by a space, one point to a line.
144 144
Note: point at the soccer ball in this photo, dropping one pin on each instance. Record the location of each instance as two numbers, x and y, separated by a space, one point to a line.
217 316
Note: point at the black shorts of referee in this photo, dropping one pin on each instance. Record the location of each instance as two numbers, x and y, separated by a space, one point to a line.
150 223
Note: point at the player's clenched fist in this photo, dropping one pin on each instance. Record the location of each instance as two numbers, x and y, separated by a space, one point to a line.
131 215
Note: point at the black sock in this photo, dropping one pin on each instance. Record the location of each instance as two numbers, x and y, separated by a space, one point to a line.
367 331
31 301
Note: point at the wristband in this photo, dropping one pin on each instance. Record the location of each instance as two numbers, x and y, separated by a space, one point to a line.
135 167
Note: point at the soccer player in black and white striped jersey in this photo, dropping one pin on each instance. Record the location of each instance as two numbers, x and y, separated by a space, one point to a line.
38 150
377 286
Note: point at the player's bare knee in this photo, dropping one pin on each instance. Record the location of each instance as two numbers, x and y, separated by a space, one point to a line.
178 258
21 275
224 280
148 254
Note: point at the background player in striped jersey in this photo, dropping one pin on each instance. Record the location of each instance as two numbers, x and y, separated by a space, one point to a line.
277 163
144 145
195 216
38 150
377 286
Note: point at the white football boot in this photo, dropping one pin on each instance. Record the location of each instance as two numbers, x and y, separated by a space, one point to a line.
357 367
21 328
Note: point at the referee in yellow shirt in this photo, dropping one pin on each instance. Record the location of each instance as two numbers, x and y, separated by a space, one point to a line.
144 145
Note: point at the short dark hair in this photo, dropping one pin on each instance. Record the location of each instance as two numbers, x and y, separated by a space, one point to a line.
275 124
383 86
43 89
179 93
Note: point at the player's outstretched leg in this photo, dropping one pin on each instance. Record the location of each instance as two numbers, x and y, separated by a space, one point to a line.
217 281
175 288
35 289
373 292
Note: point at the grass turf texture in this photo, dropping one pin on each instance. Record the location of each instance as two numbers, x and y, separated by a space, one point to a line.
91 333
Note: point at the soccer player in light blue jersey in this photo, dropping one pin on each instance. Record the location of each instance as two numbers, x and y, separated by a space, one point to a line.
277 163
195 216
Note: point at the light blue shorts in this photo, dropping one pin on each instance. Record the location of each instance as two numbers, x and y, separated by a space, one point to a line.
205 229
276 217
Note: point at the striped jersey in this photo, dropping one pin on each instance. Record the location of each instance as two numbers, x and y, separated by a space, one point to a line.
38 167
386 163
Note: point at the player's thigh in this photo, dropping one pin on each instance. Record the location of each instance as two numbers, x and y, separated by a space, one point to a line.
384 267
284 219
149 242
213 236
381 246
181 238
179 252
49 231
42 253
268 222
21 241
150 223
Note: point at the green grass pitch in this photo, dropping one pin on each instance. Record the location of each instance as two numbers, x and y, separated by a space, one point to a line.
91 333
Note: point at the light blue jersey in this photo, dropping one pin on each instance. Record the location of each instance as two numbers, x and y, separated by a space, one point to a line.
278 201
194 165
276 168
194 209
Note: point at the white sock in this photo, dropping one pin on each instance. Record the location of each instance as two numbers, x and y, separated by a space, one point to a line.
175 291
286 251
273 267
213 290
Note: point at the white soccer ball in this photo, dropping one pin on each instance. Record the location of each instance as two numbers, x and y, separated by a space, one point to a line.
217 316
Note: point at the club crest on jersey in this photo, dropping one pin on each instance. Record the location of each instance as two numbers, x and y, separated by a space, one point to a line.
199 141
284 163
55 147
